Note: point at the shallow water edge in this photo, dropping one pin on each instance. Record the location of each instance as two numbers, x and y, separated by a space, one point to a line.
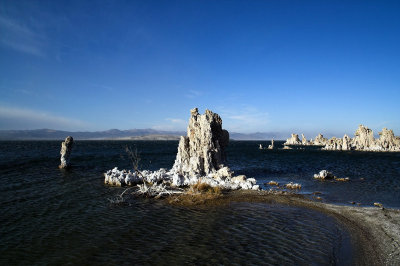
375 232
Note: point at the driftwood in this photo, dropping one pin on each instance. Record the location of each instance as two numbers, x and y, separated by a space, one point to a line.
156 190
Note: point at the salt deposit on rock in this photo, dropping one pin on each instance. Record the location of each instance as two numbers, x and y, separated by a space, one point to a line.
200 158
66 148
324 174
116 177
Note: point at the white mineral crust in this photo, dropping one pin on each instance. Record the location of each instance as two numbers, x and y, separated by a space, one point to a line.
200 158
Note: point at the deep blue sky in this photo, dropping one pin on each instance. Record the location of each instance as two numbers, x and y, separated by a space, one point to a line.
270 66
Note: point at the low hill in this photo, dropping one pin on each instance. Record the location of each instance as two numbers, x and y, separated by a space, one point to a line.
116 134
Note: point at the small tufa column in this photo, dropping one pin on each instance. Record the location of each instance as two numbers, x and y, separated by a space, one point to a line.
271 147
65 152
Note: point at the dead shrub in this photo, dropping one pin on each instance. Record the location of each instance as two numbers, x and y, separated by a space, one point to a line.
204 188
199 193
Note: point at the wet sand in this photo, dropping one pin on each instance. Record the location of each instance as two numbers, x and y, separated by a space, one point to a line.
375 232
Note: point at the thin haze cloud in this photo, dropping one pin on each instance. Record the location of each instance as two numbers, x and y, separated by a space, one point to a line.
245 119
191 94
172 124
19 118
19 37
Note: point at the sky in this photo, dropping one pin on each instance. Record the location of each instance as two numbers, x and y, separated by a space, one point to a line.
263 66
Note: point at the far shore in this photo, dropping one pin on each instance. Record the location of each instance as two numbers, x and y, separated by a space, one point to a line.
135 138
375 232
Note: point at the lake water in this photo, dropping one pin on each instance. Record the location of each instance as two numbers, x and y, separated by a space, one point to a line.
50 216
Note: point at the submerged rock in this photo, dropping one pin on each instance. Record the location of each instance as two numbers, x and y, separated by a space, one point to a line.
377 204
342 179
66 148
273 183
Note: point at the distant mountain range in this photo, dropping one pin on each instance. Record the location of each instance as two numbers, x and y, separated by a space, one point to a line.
131 134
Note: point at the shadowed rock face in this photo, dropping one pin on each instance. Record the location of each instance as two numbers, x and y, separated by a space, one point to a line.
66 147
202 151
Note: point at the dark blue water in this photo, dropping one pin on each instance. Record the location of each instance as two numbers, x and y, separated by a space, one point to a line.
50 216
374 176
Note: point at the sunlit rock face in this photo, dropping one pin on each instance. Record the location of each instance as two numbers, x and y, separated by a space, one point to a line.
293 140
320 140
346 143
363 138
324 174
334 144
304 140
364 141
66 148
343 144
202 151
388 141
